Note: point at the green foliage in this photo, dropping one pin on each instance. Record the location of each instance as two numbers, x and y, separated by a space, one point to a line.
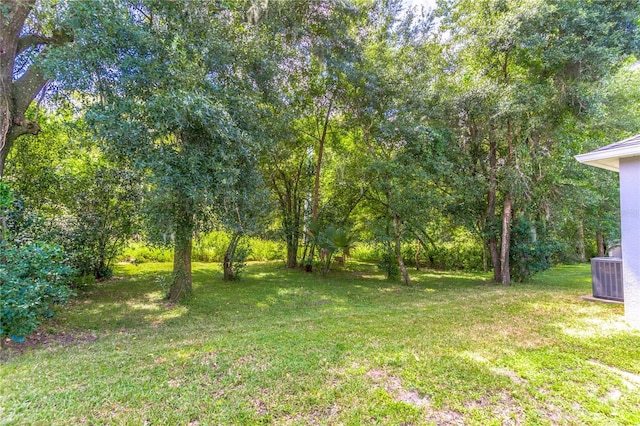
366 252
104 217
530 253
139 252
413 130
456 255
207 248
33 279
211 246
239 258
330 240
68 192
6 195
6 201
389 265
264 249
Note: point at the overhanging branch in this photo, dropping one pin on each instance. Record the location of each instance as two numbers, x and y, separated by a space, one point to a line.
33 40
25 90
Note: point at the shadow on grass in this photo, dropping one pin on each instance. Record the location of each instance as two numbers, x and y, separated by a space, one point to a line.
135 299
132 299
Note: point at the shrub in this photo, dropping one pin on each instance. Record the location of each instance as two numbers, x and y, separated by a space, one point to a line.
261 249
33 278
389 265
210 247
142 253
530 254
367 252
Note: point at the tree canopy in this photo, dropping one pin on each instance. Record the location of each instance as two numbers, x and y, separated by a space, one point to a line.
442 137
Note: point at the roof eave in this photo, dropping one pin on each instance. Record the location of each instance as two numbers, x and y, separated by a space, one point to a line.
609 158
608 164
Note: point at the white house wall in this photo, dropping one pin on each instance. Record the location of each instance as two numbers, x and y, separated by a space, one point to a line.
630 216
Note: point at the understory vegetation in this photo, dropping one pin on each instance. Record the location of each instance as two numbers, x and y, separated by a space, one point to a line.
348 348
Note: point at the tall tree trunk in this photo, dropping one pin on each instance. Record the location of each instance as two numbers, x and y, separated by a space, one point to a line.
398 252
316 186
581 250
506 240
507 215
600 243
181 285
491 213
321 141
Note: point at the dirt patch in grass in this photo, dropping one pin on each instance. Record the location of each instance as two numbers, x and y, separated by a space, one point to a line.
393 386
446 418
38 339
260 406
315 417
504 408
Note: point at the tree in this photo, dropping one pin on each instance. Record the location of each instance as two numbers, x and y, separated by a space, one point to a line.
533 60
245 211
180 86
24 43
82 201
289 171
388 105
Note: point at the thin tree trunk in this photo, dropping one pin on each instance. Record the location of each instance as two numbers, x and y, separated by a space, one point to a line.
581 249
321 142
506 240
308 267
316 186
227 263
181 285
507 215
292 254
491 213
292 236
600 244
398 252
417 256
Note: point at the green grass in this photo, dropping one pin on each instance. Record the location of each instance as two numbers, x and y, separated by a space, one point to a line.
283 347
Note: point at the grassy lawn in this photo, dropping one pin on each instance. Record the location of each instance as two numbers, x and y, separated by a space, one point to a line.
285 347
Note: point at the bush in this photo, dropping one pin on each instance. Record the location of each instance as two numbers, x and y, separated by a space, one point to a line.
528 254
33 279
366 252
208 248
461 253
142 253
211 247
260 249
389 265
